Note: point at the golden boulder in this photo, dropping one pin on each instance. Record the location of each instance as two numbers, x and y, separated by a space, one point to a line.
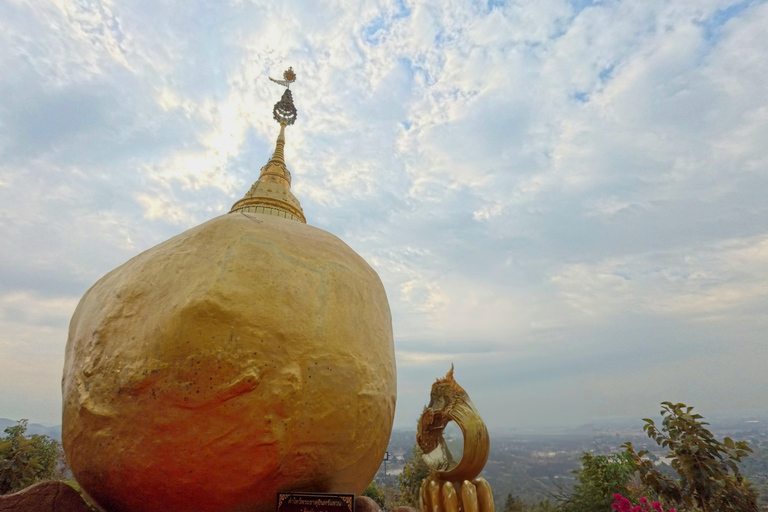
246 356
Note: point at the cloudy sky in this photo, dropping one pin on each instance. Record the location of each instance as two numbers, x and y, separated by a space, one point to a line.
566 198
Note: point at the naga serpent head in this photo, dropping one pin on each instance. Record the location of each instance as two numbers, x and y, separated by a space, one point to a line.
450 402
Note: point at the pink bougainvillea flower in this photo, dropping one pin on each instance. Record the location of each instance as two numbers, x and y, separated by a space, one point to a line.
622 504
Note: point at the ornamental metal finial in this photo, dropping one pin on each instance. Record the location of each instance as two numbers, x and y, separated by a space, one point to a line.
284 112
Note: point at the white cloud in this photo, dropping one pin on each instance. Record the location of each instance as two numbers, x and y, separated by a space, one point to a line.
539 186
695 283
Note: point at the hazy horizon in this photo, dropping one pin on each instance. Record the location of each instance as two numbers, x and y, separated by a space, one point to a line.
713 417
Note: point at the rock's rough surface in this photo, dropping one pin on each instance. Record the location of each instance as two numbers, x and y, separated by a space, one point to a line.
49 496
246 356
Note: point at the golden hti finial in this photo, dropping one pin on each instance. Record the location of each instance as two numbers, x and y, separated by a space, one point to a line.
284 112
271 194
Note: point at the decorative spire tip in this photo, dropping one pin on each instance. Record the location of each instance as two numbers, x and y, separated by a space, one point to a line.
284 111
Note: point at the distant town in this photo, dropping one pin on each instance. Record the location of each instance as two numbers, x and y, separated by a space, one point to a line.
537 467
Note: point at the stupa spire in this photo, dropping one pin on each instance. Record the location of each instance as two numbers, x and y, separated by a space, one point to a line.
271 194
277 156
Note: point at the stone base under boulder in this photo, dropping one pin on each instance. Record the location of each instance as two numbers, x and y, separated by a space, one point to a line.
48 496
55 496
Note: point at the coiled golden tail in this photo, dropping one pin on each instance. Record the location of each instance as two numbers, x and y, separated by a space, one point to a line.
453 486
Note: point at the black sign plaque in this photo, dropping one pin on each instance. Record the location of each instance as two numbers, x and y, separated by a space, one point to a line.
315 502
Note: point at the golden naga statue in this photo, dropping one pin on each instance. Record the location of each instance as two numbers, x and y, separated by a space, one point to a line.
453 486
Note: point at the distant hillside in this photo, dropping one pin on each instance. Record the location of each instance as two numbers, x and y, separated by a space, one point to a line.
33 429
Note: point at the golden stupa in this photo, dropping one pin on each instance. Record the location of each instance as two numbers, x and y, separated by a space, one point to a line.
249 355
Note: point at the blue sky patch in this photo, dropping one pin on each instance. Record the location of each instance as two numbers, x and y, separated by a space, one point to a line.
580 5
581 97
373 31
606 73
495 4
712 25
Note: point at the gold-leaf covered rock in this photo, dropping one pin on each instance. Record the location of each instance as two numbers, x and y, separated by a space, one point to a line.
249 355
